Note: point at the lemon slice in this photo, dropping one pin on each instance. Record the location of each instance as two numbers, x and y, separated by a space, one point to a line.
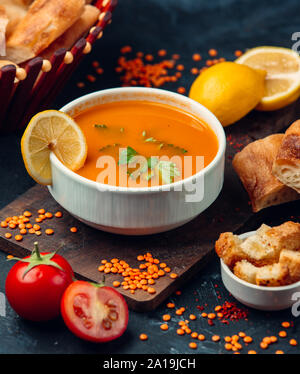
282 85
52 131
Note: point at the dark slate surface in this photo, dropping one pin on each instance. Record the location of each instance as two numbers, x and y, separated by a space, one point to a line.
183 27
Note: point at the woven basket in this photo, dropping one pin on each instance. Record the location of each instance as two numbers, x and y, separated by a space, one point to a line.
26 91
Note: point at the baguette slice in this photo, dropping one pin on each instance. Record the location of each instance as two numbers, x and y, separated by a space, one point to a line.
254 167
44 22
286 166
291 259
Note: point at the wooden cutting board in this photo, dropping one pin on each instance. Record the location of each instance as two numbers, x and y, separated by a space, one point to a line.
185 249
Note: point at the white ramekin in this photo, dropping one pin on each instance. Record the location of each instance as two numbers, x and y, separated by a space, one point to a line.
137 211
259 297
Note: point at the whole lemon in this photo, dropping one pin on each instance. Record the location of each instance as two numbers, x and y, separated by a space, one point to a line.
229 90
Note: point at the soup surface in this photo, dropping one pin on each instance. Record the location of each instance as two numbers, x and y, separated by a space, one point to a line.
139 143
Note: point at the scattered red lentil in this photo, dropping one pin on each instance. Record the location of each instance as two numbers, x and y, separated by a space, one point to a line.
73 229
166 317
293 342
196 57
126 49
279 352
264 345
286 324
238 53
201 337
58 214
49 231
282 334
143 337
164 327
212 52
181 90
170 305
193 345
162 52
8 235
215 338
251 352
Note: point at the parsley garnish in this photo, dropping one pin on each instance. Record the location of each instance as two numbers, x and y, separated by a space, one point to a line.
100 126
126 155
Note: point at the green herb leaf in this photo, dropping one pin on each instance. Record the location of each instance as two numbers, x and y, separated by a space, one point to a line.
152 140
167 171
126 155
144 133
122 129
100 126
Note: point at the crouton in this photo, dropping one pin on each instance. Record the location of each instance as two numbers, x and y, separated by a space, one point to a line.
228 248
292 260
285 236
258 253
272 275
245 271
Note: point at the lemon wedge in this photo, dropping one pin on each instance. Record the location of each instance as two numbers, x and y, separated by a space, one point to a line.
52 131
282 86
229 90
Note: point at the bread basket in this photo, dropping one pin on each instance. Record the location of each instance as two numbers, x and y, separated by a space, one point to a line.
28 90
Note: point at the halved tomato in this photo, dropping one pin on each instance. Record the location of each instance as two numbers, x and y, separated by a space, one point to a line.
94 312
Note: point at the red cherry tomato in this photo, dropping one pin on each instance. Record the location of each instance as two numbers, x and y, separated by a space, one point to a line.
34 288
94 312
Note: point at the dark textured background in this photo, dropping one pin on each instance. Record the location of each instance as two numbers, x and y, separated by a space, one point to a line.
184 27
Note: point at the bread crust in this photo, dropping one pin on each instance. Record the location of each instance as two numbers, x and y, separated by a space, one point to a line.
76 31
254 167
286 166
44 22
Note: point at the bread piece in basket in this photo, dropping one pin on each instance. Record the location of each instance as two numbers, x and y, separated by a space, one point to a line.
3 26
15 10
75 32
44 22
286 166
254 167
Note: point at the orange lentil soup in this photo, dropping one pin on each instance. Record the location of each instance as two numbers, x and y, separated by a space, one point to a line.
142 144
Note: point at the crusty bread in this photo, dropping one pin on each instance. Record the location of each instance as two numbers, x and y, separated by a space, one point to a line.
15 11
44 22
286 166
246 271
228 248
76 31
272 275
3 26
291 259
254 167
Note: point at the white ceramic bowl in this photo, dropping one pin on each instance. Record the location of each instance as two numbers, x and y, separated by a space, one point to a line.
138 211
258 297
